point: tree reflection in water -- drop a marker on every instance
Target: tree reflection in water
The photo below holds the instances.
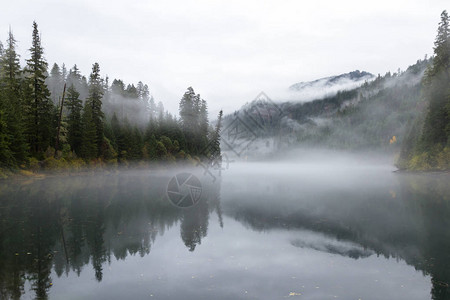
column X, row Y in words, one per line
column 62, row 225
column 70, row 222
column 410, row 222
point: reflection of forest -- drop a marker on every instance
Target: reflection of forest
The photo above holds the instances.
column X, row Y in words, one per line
column 67, row 223
column 410, row 222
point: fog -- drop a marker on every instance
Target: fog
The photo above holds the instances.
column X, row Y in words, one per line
column 293, row 192
column 321, row 88
column 300, row 220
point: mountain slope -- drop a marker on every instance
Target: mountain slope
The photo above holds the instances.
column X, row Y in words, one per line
column 341, row 81
column 372, row 116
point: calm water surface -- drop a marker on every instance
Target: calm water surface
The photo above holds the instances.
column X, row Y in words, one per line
column 261, row 231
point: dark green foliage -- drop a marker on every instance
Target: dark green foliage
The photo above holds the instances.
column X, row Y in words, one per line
column 127, row 140
column 428, row 144
column 301, row 111
column 108, row 152
column 74, row 108
column 134, row 129
column 437, row 91
column 39, row 117
column 95, row 102
column 6, row 156
column 194, row 121
column 89, row 146
column 10, row 88
column 79, row 82
column 214, row 153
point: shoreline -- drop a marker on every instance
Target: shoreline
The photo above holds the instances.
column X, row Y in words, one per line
column 425, row 172
column 26, row 174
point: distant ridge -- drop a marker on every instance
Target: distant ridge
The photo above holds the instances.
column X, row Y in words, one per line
column 328, row 82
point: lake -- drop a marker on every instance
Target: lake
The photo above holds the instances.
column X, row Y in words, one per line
column 288, row 229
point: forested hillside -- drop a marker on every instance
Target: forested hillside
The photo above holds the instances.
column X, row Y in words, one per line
column 63, row 119
column 427, row 146
column 373, row 117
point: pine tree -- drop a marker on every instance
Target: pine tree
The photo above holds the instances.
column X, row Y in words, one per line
column 79, row 82
column 106, row 91
column 151, row 108
column 6, row 156
column 215, row 153
column 441, row 60
column 89, row 145
column 74, row 107
column 131, row 92
column 125, row 139
column 95, row 101
column 10, row 83
column 118, row 137
column 39, row 110
column 64, row 72
column 436, row 130
column 160, row 113
column 55, row 83
column 137, row 144
column 11, row 68
column 189, row 113
column 118, row 87
column 203, row 124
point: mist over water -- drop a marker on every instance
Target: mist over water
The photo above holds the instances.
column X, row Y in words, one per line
column 313, row 224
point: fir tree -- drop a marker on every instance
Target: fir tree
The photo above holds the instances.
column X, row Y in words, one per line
column 118, row 137
column 203, row 125
column 64, row 72
column 79, row 82
column 95, row 102
column 10, row 83
column 151, row 108
column 89, row 145
column 74, row 108
column 6, row 156
column 55, row 83
column 39, row 110
column 215, row 153
column 441, row 60
column 436, row 130
column 189, row 113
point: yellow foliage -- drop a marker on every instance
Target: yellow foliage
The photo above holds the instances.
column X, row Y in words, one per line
column 3, row 174
column 420, row 162
column 33, row 164
column 52, row 163
column 26, row 173
column 439, row 160
column 443, row 159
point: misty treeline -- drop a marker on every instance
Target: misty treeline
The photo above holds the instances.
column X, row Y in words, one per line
column 427, row 145
column 62, row 118
column 371, row 117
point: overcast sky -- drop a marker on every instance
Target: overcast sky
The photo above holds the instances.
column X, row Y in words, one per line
column 228, row 51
